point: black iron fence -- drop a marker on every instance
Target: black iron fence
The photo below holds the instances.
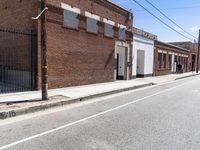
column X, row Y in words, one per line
column 18, row 53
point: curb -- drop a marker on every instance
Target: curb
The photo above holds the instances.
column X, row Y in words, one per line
column 40, row 107
column 187, row 76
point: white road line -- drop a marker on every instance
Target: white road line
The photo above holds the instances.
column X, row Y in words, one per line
column 84, row 119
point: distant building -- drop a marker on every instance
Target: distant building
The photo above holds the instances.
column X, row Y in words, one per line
column 143, row 53
column 168, row 56
column 193, row 47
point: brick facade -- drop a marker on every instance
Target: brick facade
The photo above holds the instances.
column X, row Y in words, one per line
column 18, row 13
column 169, row 49
column 74, row 57
column 193, row 47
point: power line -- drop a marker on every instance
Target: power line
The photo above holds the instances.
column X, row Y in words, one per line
column 169, row 19
column 161, row 20
column 174, row 8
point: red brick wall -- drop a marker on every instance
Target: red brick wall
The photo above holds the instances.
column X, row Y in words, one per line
column 76, row 57
column 99, row 7
column 164, row 71
column 18, row 13
column 193, row 51
column 15, row 49
column 15, row 17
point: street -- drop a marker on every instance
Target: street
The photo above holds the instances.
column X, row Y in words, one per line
column 161, row 117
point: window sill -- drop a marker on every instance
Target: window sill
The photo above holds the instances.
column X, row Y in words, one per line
column 70, row 28
column 109, row 37
column 93, row 33
column 122, row 40
column 162, row 69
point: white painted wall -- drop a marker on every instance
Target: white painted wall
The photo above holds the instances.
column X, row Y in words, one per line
column 147, row 45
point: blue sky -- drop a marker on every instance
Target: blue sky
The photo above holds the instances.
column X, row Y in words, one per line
column 185, row 13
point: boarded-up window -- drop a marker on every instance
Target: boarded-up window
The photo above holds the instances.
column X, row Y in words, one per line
column 71, row 19
column 122, row 34
column 108, row 30
column 159, row 60
column 92, row 25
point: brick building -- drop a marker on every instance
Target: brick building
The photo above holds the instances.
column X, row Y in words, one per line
column 193, row 47
column 88, row 41
column 167, row 56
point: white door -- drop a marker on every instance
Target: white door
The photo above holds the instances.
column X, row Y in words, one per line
column 140, row 62
column 121, row 62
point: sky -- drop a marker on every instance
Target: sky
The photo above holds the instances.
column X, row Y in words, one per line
column 186, row 13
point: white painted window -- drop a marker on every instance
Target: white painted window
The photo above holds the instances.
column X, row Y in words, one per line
column 92, row 22
column 108, row 27
column 108, row 30
column 122, row 34
column 71, row 19
column 92, row 25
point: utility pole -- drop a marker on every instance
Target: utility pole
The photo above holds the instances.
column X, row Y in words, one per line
column 197, row 70
column 44, row 52
column 44, row 76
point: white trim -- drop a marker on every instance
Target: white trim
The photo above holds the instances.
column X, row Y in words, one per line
column 121, row 26
column 93, row 16
column 159, row 51
column 170, row 53
column 164, row 52
column 109, row 22
column 70, row 8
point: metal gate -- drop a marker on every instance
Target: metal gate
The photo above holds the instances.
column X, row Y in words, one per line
column 18, row 53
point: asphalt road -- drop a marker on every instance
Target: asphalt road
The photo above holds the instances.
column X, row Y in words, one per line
column 164, row 117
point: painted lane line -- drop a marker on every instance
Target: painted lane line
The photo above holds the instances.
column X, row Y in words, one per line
column 85, row 119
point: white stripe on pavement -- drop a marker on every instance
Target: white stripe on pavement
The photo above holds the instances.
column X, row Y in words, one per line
column 84, row 119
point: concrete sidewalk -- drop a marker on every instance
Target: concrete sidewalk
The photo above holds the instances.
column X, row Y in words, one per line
column 85, row 90
column 62, row 96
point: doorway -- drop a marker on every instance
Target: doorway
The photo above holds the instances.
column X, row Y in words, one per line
column 140, row 63
column 121, row 63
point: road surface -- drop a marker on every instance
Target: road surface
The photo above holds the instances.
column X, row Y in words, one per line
column 164, row 117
